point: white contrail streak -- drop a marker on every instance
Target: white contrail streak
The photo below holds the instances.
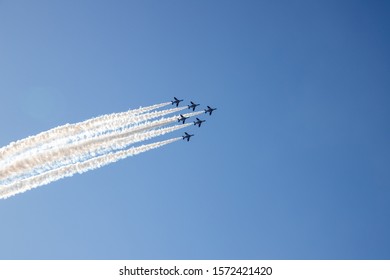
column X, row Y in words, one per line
column 79, row 167
column 65, row 150
column 28, row 156
column 71, row 154
column 80, row 131
column 74, row 129
column 39, row 157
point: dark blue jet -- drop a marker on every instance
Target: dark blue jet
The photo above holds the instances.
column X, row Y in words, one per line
column 193, row 106
column 187, row 136
column 176, row 101
column 209, row 110
column 198, row 122
column 182, row 119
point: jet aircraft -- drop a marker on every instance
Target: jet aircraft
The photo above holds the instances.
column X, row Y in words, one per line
column 187, row 136
column 182, row 118
column 209, row 110
column 176, row 101
column 193, row 106
column 198, row 122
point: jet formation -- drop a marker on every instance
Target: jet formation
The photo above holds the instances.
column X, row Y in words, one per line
column 183, row 118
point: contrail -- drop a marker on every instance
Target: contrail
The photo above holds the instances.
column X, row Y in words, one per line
column 56, row 153
column 40, row 156
column 80, row 167
column 39, row 163
column 60, row 138
column 74, row 129
column 69, row 133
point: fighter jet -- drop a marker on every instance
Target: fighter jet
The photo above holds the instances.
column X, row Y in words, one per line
column 209, row 110
column 187, row 136
column 193, row 106
column 198, row 122
column 182, row 118
column 177, row 101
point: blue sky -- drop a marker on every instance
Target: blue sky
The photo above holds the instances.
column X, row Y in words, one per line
column 293, row 165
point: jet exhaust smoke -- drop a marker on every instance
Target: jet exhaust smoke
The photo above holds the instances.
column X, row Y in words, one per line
column 77, row 148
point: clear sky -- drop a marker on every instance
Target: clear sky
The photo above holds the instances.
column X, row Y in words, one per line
column 294, row 164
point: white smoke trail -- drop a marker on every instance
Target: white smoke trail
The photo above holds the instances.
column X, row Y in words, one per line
column 73, row 129
column 37, row 164
column 193, row 114
column 26, row 162
column 80, row 167
column 23, row 160
column 67, row 146
column 80, row 131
